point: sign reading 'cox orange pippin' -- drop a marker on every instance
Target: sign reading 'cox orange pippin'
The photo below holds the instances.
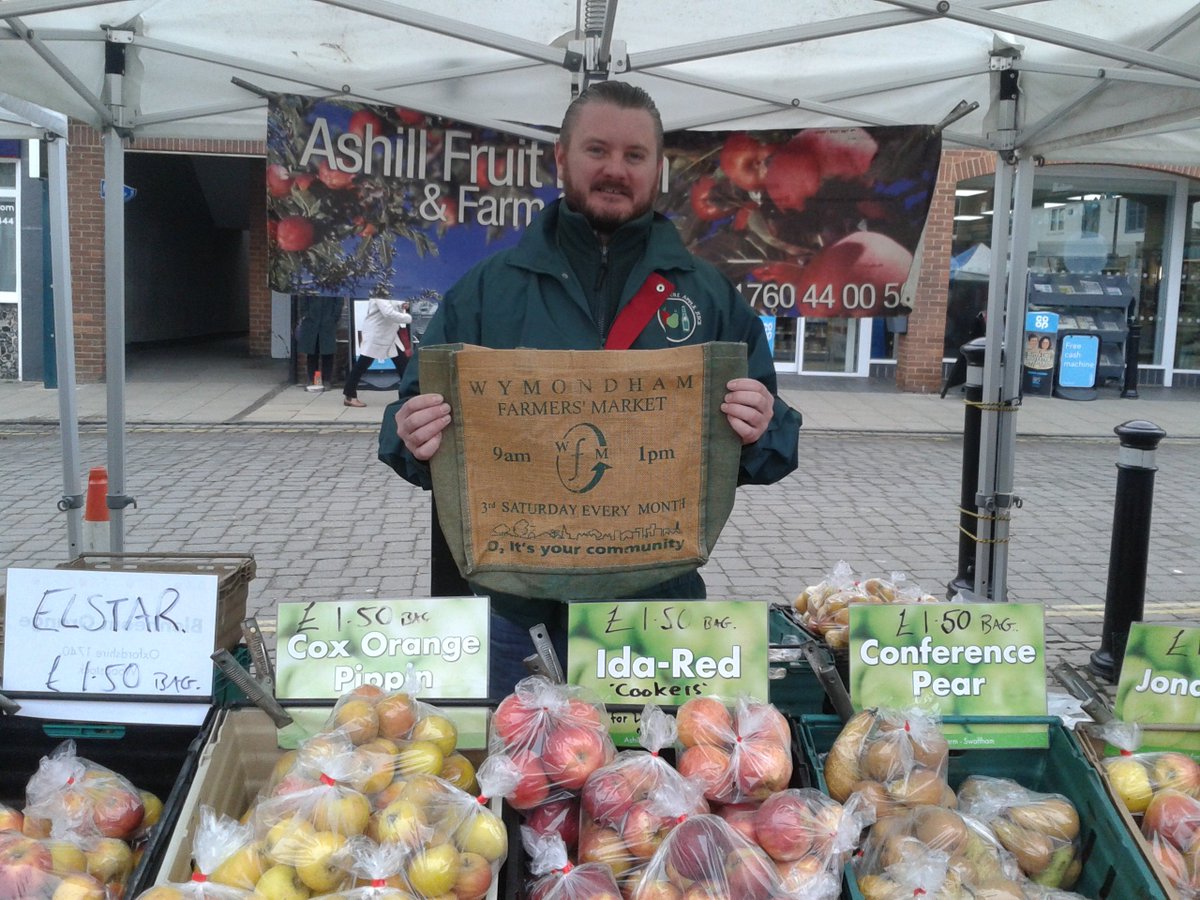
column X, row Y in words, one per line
column 570, row 474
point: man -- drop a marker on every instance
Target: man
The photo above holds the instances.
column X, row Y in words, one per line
column 575, row 268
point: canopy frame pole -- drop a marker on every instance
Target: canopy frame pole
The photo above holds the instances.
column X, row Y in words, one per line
column 64, row 344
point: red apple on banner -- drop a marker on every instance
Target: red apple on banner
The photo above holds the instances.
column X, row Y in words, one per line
column 363, row 119
column 793, row 176
column 279, row 180
column 839, row 152
column 294, row 234
column 744, row 160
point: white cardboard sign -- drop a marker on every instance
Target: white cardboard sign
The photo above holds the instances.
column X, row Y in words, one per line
column 104, row 636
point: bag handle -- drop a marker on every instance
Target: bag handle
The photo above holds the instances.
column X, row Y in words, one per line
column 636, row 315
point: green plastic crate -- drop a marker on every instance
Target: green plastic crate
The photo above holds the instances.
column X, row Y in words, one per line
column 1113, row 866
column 797, row 692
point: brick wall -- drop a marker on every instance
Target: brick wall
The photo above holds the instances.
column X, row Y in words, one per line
column 85, row 169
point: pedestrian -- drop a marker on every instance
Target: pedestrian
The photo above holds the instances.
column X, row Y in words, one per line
column 316, row 338
column 384, row 335
column 576, row 266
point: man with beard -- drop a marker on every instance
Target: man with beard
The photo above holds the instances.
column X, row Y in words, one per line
column 578, row 264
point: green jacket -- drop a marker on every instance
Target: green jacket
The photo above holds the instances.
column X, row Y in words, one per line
column 527, row 296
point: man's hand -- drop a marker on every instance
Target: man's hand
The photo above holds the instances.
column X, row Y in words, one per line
column 748, row 406
column 420, row 423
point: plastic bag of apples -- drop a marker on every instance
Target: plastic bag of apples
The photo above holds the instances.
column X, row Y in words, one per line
column 548, row 738
column 217, row 857
column 629, row 806
column 46, row 868
column 555, row 878
column 1138, row 775
column 739, row 752
column 704, row 857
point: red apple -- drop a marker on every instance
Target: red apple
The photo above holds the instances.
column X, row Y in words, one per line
column 643, row 829
column 1174, row 816
column 704, row 720
column 572, row 753
column 793, row 176
column 533, row 787
column 710, row 767
column 116, row 811
column 515, row 722
column 334, row 179
column 396, row 714
column 559, row 817
column 1171, row 861
column 707, row 890
column 784, row 826
column 583, row 713
column 608, row 793
column 1172, row 769
column 279, row 180
column 749, row 873
column 590, row 882
column 658, row 889
column 20, row 880
column 861, row 258
column 697, row 848
column 763, row 722
column 474, row 876
column 604, row 845
column 744, row 160
column 741, row 818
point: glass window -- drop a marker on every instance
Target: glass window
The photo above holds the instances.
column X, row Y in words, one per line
column 1187, row 333
column 8, row 229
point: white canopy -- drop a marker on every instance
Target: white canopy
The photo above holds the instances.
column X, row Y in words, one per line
column 1111, row 81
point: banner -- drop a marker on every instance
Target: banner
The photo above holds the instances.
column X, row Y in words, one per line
column 369, row 200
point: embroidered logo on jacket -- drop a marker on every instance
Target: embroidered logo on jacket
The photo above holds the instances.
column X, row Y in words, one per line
column 679, row 318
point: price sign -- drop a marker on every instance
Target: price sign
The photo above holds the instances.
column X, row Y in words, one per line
column 434, row 647
column 665, row 652
column 984, row 659
column 1160, row 681
column 74, row 635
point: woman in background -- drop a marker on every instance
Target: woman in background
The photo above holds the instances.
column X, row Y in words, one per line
column 384, row 334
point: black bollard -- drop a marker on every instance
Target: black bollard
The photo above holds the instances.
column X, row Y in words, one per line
column 964, row 582
column 1125, row 598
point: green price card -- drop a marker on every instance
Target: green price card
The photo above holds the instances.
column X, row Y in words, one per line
column 983, row 659
column 1160, row 683
column 327, row 648
column 634, row 652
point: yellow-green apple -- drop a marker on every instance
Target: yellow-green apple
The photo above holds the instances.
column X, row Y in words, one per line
column 110, row 860
column 152, row 807
column 66, row 856
column 78, row 886
column 340, row 810
column 474, row 876
column 374, row 765
column 420, row 758
column 533, row 787
column 559, row 817
column 355, row 717
column 439, row 730
column 281, row 882
column 397, row 713
column 643, row 829
column 459, row 771
column 484, row 834
column 242, row 868
column 316, row 863
column 704, row 720
column 434, row 870
column 400, row 822
column 573, row 752
column 1131, row 781
column 784, row 826
column 162, row 892
column 287, row 837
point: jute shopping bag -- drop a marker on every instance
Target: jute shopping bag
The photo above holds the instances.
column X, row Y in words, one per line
column 570, row 474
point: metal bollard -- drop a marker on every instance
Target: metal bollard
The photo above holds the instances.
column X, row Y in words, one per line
column 964, row 581
column 1125, row 598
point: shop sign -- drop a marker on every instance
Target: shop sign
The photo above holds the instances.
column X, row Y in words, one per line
column 983, row 659
column 1160, row 681
column 75, row 639
column 430, row 647
column 1078, row 361
column 665, row 652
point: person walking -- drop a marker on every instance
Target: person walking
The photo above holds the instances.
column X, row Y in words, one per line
column 316, row 338
column 384, row 334
column 577, row 266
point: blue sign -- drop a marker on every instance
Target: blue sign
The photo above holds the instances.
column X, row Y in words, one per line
column 127, row 192
column 769, row 327
column 1041, row 322
column 1078, row 360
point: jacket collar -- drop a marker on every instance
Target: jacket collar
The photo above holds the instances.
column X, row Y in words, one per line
column 538, row 250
